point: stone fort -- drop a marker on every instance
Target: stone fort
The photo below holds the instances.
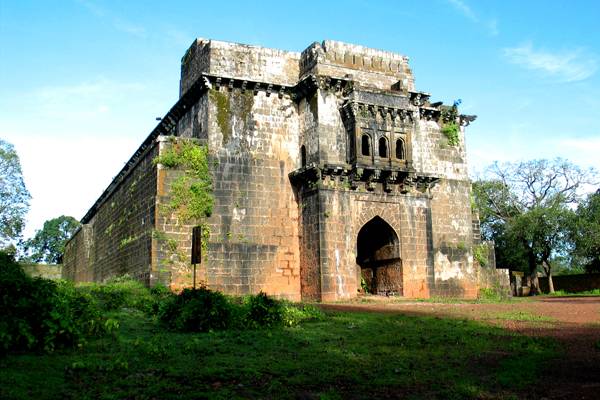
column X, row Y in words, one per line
column 331, row 174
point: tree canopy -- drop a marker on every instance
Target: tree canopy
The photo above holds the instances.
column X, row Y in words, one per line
column 586, row 232
column 48, row 244
column 526, row 208
column 14, row 197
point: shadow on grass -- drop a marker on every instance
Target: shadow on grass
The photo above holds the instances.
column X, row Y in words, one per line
column 346, row 356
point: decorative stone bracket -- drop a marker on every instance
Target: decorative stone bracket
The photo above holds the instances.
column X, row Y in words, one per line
column 352, row 177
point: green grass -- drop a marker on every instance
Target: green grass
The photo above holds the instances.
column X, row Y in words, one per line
column 594, row 292
column 346, row 355
column 455, row 300
column 521, row 316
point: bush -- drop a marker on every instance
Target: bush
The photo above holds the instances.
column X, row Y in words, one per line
column 203, row 310
column 493, row 294
column 196, row 310
column 263, row 311
column 125, row 292
column 38, row 314
column 293, row 314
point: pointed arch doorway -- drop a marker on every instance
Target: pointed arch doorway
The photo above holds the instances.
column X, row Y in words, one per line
column 378, row 255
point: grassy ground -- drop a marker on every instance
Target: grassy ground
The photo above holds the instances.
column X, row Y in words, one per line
column 594, row 292
column 346, row 355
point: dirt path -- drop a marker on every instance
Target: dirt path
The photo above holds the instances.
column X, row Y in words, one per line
column 573, row 321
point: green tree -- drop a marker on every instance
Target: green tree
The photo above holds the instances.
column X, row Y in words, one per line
column 48, row 244
column 585, row 232
column 525, row 208
column 14, row 197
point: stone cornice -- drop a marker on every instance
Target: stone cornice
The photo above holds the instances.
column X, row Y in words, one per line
column 344, row 87
column 355, row 111
column 357, row 177
column 465, row 120
column 310, row 83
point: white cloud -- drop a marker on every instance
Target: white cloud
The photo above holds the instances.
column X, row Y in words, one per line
column 464, row 9
column 129, row 27
column 582, row 151
column 117, row 22
column 83, row 100
column 513, row 146
column 567, row 66
column 178, row 37
column 490, row 25
column 65, row 176
column 72, row 139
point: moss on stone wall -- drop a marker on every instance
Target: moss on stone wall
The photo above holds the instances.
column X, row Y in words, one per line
column 191, row 194
column 222, row 103
column 246, row 104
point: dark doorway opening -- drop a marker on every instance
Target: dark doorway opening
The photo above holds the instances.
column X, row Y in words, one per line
column 378, row 255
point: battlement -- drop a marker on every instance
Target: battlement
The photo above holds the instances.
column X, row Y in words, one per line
column 368, row 67
column 241, row 61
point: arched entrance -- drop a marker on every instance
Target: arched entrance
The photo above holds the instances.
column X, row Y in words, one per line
column 378, row 255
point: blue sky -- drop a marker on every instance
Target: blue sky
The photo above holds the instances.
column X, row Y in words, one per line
column 82, row 81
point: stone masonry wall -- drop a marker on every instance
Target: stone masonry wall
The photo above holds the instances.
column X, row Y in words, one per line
column 455, row 273
column 254, row 229
column 368, row 67
column 118, row 238
column 238, row 60
column 253, row 245
column 78, row 257
column 342, row 212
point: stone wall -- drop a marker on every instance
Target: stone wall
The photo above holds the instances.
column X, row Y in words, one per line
column 117, row 239
column 241, row 61
column 46, row 271
column 497, row 279
column 79, row 256
column 252, row 137
column 572, row 283
column 368, row 67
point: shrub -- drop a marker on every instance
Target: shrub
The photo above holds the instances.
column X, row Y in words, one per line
column 38, row 314
column 203, row 310
column 493, row 294
column 122, row 292
column 451, row 132
column 196, row 310
column 263, row 311
column 293, row 314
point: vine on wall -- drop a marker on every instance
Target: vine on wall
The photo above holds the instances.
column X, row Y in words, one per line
column 191, row 194
column 450, row 128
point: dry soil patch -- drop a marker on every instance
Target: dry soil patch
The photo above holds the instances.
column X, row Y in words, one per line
column 573, row 321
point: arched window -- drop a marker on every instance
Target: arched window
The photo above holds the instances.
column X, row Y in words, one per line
column 366, row 145
column 303, row 155
column 383, row 147
column 400, row 149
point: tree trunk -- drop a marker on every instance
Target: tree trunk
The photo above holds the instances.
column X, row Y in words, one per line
column 534, row 285
column 548, row 270
column 534, row 288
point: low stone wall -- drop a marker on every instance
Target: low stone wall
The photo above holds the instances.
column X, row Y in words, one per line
column 47, row 271
column 494, row 278
column 572, row 283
